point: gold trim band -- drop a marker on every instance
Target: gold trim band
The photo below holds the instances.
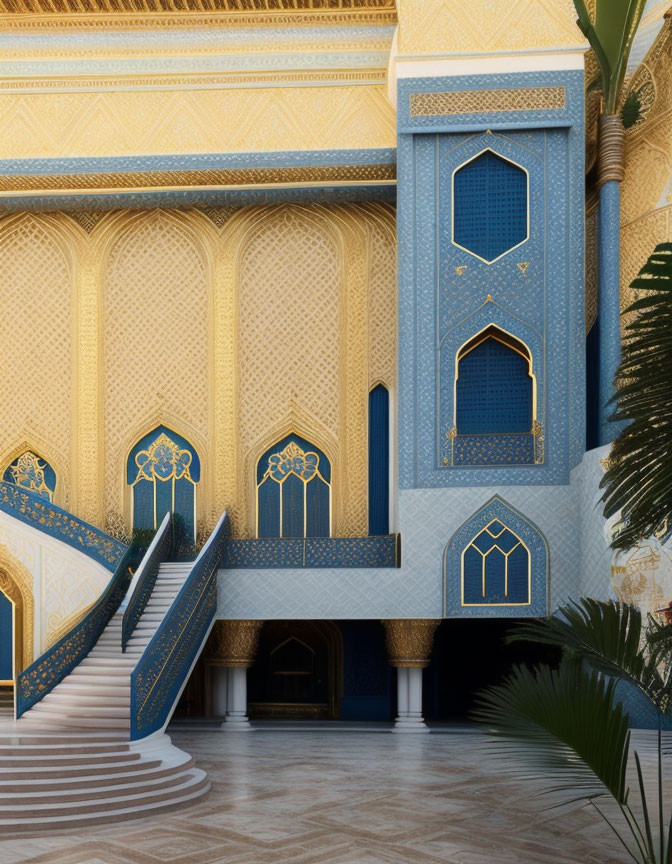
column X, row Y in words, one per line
column 486, row 101
column 320, row 77
column 137, row 180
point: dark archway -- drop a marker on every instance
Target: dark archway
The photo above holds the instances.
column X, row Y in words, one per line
column 298, row 673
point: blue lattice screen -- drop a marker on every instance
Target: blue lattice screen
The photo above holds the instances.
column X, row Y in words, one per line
column 6, row 638
column 293, row 490
column 496, row 568
column 489, row 206
column 494, row 390
column 379, row 461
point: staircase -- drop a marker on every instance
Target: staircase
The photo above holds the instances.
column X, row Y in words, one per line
column 69, row 760
column 6, row 701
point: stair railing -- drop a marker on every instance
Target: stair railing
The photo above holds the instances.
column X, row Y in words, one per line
column 39, row 513
column 164, row 668
column 145, row 578
column 51, row 668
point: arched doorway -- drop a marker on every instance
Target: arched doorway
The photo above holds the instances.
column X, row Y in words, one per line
column 16, row 632
column 298, row 673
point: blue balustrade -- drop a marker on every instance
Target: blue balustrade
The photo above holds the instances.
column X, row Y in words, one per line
column 51, row 668
column 145, row 578
column 163, row 669
column 39, row 513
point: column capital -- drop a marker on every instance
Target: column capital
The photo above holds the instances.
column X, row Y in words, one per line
column 409, row 641
column 233, row 643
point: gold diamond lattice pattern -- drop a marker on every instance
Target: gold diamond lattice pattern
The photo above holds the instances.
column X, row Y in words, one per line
column 35, row 333
column 289, row 322
column 382, row 304
column 156, row 345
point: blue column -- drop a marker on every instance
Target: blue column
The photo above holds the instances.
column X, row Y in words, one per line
column 609, row 304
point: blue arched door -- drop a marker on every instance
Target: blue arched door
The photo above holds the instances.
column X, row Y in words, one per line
column 6, row 638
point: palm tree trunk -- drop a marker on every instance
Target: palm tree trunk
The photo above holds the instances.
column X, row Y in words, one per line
column 611, row 172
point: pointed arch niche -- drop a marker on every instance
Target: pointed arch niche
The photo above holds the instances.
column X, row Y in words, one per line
column 293, row 493
column 495, row 403
column 496, row 564
column 162, row 471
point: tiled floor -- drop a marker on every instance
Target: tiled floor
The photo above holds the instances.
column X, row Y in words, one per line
column 340, row 798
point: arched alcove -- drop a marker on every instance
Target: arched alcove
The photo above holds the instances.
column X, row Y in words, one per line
column 496, row 564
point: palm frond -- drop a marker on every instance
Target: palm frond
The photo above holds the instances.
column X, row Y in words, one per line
column 564, row 725
column 638, row 482
column 611, row 36
column 609, row 635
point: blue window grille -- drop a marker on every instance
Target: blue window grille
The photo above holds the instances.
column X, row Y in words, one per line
column 379, row 461
column 32, row 472
column 496, row 568
column 162, row 470
column 6, row 638
column 494, row 388
column 489, row 206
column 293, row 490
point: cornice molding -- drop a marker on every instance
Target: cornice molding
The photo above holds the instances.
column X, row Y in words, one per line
column 36, row 184
column 309, row 77
column 19, row 15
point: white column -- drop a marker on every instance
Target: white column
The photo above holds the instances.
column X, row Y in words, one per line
column 409, row 695
column 219, row 690
column 236, row 715
column 402, row 695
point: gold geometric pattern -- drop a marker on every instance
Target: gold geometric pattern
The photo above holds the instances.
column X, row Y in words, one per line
column 482, row 26
column 382, row 298
column 646, row 213
column 118, row 123
column 484, row 101
column 290, row 309
column 35, row 333
column 156, row 335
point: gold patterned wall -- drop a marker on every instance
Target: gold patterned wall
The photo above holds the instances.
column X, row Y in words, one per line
column 233, row 326
column 156, row 357
column 36, row 344
column 481, row 26
column 646, row 191
column 134, row 122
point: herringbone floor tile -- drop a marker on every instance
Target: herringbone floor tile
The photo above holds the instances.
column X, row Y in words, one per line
column 284, row 797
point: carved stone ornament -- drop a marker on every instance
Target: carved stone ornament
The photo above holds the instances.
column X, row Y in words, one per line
column 233, row 643
column 409, row 641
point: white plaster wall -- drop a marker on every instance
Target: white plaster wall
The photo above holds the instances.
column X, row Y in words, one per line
column 64, row 581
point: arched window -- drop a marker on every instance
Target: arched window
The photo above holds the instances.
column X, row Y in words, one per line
column 496, row 568
column 162, row 470
column 32, row 472
column 293, row 490
column 494, row 390
column 489, row 206
column 379, row 461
